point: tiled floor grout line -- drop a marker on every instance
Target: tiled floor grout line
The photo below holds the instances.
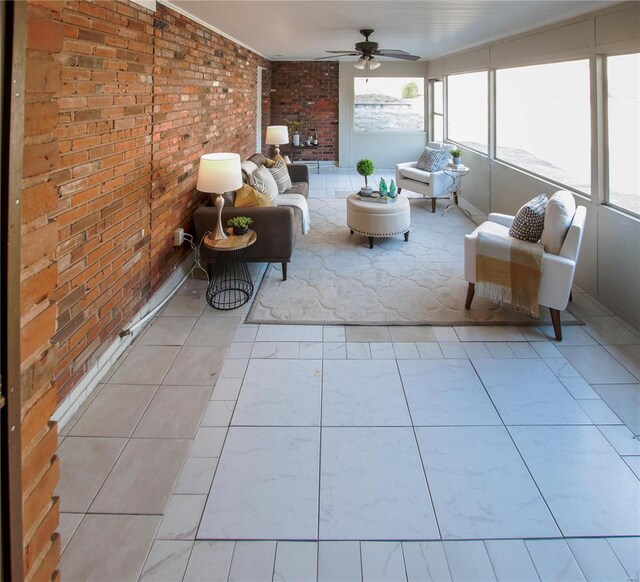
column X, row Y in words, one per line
column 513, row 442
column 526, row 547
column 629, row 574
column 415, row 438
column 320, row 446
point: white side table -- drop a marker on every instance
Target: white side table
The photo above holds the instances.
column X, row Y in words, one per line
column 454, row 189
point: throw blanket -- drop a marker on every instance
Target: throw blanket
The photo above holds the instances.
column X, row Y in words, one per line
column 297, row 201
column 508, row 270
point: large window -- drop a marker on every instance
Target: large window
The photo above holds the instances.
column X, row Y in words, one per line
column 543, row 121
column 623, row 120
column 389, row 104
column 467, row 110
column 437, row 110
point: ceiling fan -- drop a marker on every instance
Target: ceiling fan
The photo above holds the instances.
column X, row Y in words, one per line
column 368, row 50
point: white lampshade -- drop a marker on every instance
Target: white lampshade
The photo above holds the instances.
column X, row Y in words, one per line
column 277, row 135
column 219, row 173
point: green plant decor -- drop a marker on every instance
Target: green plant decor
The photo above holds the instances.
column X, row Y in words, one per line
column 365, row 168
column 455, row 153
column 295, row 125
column 409, row 90
column 239, row 222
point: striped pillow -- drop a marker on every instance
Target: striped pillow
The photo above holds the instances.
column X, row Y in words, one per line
column 264, row 182
column 281, row 176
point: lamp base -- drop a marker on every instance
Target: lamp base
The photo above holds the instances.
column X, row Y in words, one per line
column 219, row 233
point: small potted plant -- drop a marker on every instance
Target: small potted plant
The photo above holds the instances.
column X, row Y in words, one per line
column 294, row 129
column 456, row 154
column 365, row 168
column 240, row 224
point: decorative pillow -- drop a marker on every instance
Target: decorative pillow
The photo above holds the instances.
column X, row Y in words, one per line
column 557, row 220
column 258, row 159
column 279, row 158
column 529, row 222
column 248, row 196
column 281, row 176
column 269, row 162
column 248, row 168
column 264, row 182
column 430, row 159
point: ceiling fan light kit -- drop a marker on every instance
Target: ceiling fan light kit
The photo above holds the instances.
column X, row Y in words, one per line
column 367, row 51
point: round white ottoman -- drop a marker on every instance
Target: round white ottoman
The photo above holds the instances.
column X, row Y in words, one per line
column 375, row 219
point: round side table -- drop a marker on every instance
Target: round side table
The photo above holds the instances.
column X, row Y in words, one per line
column 230, row 285
column 455, row 188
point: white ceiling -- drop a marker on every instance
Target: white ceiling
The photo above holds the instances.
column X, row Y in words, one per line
column 305, row 29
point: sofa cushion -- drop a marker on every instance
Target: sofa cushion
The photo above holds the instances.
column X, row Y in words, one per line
column 557, row 220
column 430, row 160
column 248, row 196
column 529, row 221
column 281, row 176
column 299, row 188
column 416, row 174
column 265, row 183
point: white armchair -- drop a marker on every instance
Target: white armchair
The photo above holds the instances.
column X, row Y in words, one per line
column 430, row 184
column 557, row 270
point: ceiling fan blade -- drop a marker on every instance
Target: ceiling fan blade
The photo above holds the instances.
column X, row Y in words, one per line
column 336, row 56
column 391, row 51
column 351, row 52
column 406, row 57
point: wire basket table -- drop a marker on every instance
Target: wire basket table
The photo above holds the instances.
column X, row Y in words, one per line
column 230, row 285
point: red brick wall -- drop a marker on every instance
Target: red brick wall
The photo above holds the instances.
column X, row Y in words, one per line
column 120, row 104
column 39, row 276
column 102, row 215
column 307, row 90
column 205, row 100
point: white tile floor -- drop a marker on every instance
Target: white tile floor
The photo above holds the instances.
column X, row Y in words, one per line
column 218, row 450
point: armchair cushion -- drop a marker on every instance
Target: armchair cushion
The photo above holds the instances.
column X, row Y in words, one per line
column 415, row 174
column 557, row 219
column 529, row 221
column 430, row 160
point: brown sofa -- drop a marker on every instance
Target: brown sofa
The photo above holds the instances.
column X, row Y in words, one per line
column 276, row 226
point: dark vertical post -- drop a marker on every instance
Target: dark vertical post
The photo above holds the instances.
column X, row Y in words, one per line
column 13, row 57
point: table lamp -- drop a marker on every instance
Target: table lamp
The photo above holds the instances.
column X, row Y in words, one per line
column 219, row 173
column 277, row 135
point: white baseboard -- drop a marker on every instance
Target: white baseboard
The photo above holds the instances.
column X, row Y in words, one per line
column 476, row 214
column 68, row 407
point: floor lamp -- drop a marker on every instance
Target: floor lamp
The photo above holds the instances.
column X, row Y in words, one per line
column 277, row 135
column 219, row 173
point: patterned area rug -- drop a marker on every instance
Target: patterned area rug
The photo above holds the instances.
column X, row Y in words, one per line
column 334, row 278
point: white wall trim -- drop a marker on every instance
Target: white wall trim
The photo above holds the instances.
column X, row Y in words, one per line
column 68, row 407
column 182, row 11
column 148, row 4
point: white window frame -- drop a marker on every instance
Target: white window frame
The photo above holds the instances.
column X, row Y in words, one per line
column 425, row 119
column 490, row 130
column 605, row 133
column 432, row 111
